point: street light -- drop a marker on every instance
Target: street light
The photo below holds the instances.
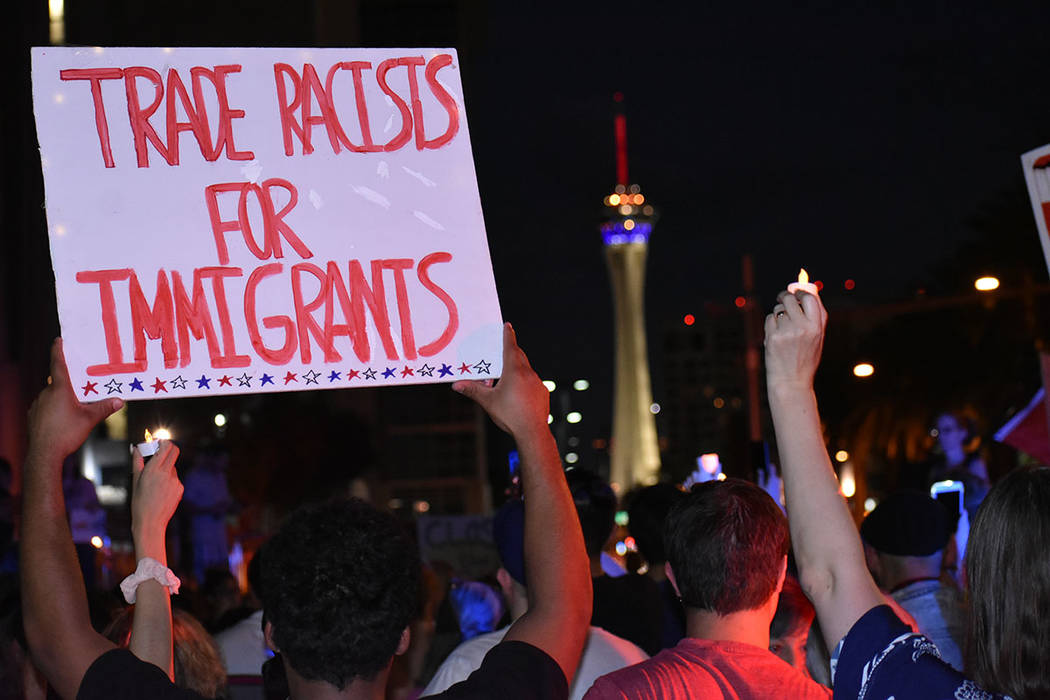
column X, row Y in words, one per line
column 986, row 284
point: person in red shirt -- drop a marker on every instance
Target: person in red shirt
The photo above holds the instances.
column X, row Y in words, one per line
column 727, row 545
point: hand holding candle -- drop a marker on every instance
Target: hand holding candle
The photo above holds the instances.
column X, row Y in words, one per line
column 803, row 284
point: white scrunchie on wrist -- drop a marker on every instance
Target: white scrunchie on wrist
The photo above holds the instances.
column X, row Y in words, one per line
column 149, row 569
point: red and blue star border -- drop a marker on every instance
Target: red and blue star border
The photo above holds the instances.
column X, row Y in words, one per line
column 308, row 377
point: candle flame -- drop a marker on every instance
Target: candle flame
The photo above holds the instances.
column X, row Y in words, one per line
column 803, row 276
column 149, row 436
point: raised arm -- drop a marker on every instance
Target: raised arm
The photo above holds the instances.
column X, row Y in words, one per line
column 54, row 603
column 827, row 547
column 156, row 491
column 558, row 579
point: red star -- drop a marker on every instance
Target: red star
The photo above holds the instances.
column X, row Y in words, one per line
column 158, row 386
column 290, row 377
column 464, row 368
column 351, row 374
column 407, row 372
column 224, row 381
column 89, row 388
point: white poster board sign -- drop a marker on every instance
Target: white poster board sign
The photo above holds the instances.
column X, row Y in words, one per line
column 1037, row 175
column 253, row 220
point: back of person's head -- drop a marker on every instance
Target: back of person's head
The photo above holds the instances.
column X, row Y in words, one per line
column 595, row 507
column 789, row 630
column 340, row 582
column 907, row 524
column 478, row 607
column 646, row 514
column 197, row 659
column 726, row 542
column 1008, row 577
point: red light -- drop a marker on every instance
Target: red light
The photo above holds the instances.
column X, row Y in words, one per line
column 689, row 319
column 850, row 284
column 820, row 285
column 740, row 302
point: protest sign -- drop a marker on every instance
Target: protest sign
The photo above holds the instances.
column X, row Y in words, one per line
column 1037, row 175
column 463, row 541
column 253, row 220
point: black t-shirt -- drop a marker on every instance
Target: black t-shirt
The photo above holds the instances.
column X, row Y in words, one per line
column 511, row 671
column 120, row 675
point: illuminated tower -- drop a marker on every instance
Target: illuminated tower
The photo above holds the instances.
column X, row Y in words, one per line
column 635, row 455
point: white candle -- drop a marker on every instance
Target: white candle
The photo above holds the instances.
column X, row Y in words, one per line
column 150, row 447
column 803, row 284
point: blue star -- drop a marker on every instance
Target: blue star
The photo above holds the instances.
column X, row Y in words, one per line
column 178, row 382
column 426, row 371
column 113, row 386
column 482, row 367
column 333, row 376
column 244, row 380
column 136, row 384
column 265, row 379
column 388, row 373
column 204, row 383
column 445, row 371
column 311, row 377
column 369, row 373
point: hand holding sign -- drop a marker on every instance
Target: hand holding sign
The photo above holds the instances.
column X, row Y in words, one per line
column 519, row 403
column 58, row 422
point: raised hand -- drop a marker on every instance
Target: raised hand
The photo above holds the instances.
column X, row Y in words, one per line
column 155, row 492
column 58, row 422
column 518, row 403
column 794, row 339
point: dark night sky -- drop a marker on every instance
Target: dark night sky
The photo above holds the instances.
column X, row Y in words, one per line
column 854, row 139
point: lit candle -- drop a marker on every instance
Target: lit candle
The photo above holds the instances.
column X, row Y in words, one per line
column 803, row 284
column 150, row 447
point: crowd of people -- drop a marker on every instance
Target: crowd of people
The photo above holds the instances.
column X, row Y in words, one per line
column 742, row 597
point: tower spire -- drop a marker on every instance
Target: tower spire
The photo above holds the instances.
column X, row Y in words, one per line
column 620, row 125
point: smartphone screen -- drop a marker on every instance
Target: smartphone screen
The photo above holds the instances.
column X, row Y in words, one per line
column 951, row 500
column 950, row 494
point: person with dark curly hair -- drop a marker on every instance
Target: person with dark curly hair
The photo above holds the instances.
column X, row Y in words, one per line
column 340, row 581
column 349, row 570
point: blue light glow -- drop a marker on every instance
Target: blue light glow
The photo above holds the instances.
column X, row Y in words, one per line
column 614, row 233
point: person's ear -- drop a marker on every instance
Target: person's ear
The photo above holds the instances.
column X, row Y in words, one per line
column 268, row 637
column 783, row 574
column 670, row 577
column 406, row 639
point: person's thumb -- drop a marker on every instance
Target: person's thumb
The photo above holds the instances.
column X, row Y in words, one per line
column 100, row 410
column 474, row 390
